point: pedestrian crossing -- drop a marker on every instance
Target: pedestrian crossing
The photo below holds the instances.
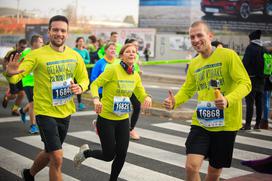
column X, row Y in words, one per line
column 161, row 143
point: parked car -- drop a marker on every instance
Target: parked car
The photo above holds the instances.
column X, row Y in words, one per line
column 240, row 8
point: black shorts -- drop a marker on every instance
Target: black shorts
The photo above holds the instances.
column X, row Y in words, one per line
column 216, row 146
column 29, row 93
column 53, row 131
column 15, row 88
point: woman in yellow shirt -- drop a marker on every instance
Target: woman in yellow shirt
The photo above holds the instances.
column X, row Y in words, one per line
column 119, row 82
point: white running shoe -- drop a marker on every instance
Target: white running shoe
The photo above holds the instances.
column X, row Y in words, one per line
column 94, row 126
column 79, row 157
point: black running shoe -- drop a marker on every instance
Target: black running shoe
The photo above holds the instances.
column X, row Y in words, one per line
column 26, row 176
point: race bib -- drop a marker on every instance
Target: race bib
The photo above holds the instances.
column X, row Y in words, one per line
column 209, row 115
column 121, row 105
column 61, row 92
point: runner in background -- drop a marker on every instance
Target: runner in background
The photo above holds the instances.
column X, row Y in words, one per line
column 80, row 48
column 93, row 49
column 133, row 99
column 16, row 91
column 54, row 67
column 119, row 82
column 101, row 65
column 113, row 38
column 28, row 84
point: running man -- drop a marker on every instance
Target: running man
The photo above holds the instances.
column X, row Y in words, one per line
column 114, row 39
column 16, row 91
column 28, row 84
column 54, row 67
column 218, row 116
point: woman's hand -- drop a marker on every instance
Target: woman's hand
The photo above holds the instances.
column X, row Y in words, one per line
column 97, row 105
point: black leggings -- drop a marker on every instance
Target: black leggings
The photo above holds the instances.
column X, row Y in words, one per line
column 257, row 97
column 78, row 95
column 114, row 138
column 136, row 111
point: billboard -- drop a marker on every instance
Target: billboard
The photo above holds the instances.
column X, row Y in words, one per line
column 144, row 36
column 36, row 29
column 225, row 15
column 166, row 15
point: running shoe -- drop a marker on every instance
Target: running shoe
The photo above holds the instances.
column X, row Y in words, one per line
column 15, row 112
column 26, row 176
column 81, row 106
column 246, row 127
column 94, row 126
column 23, row 115
column 5, row 102
column 257, row 126
column 33, row 129
column 134, row 135
column 79, row 157
column 264, row 124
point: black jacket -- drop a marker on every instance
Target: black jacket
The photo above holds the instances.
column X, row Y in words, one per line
column 254, row 64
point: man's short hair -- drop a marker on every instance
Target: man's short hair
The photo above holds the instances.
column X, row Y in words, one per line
column 113, row 33
column 200, row 22
column 34, row 39
column 22, row 41
column 58, row 18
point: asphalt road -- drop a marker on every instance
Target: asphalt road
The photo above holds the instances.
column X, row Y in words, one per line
column 159, row 155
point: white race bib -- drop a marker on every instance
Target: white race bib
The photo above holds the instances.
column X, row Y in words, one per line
column 61, row 92
column 121, row 105
column 209, row 115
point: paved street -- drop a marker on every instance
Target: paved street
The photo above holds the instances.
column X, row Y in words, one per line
column 159, row 155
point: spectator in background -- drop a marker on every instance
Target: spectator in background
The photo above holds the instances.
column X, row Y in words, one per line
column 80, row 48
column 15, row 90
column 147, row 52
column 254, row 64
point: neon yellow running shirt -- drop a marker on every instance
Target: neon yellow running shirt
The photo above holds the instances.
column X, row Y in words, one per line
column 223, row 65
column 116, row 82
column 53, row 71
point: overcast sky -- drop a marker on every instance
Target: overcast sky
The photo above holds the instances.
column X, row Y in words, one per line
column 98, row 9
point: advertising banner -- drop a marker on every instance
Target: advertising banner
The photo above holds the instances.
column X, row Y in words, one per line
column 224, row 15
column 144, row 36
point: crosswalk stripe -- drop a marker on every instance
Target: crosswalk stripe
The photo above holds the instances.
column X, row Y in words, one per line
column 17, row 119
column 130, row 171
column 259, row 132
column 180, row 141
column 239, row 139
column 159, row 154
column 14, row 163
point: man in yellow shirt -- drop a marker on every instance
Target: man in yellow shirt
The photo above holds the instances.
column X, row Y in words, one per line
column 54, row 67
column 218, row 115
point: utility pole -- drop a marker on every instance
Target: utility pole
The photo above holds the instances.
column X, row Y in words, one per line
column 18, row 4
column 76, row 10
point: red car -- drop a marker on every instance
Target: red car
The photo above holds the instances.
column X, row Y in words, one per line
column 241, row 8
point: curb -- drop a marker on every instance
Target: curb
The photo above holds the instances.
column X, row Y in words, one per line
column 163, row 78
column 174, row 114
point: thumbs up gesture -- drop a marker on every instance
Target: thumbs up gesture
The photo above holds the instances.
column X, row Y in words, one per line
column 75, row 88
column 220, row 101
column 169, row 102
